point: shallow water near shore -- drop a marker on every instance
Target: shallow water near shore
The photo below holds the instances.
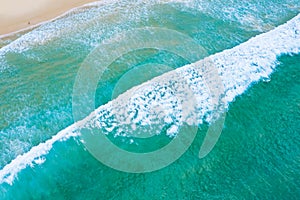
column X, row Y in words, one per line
column 257, row 155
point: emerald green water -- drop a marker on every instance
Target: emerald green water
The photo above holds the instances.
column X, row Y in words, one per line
column 256, row 157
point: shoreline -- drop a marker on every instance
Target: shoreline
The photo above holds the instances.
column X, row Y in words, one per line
column 23, row 18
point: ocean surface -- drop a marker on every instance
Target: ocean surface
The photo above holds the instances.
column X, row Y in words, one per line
column 224, row 76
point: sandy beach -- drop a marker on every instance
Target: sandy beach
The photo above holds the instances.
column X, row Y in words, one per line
column 20, row 14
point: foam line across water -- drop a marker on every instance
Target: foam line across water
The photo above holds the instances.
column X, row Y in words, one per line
column 238, row 68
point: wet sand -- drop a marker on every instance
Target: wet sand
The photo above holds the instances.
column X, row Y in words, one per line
column 16, row 15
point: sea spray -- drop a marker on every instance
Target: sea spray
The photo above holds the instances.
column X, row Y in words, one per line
column 239, row 67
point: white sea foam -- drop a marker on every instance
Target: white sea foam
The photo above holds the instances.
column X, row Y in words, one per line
column 34, row 156
column 238, row 68
column 239, row 12
column 74, row 23
column 260, row 16
column 71, row 21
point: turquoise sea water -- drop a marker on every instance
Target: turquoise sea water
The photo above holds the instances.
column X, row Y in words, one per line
column 256, row 157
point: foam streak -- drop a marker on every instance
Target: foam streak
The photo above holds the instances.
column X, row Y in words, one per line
column 238, row 67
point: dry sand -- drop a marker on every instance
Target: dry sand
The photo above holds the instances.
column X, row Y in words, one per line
column 20, row 14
